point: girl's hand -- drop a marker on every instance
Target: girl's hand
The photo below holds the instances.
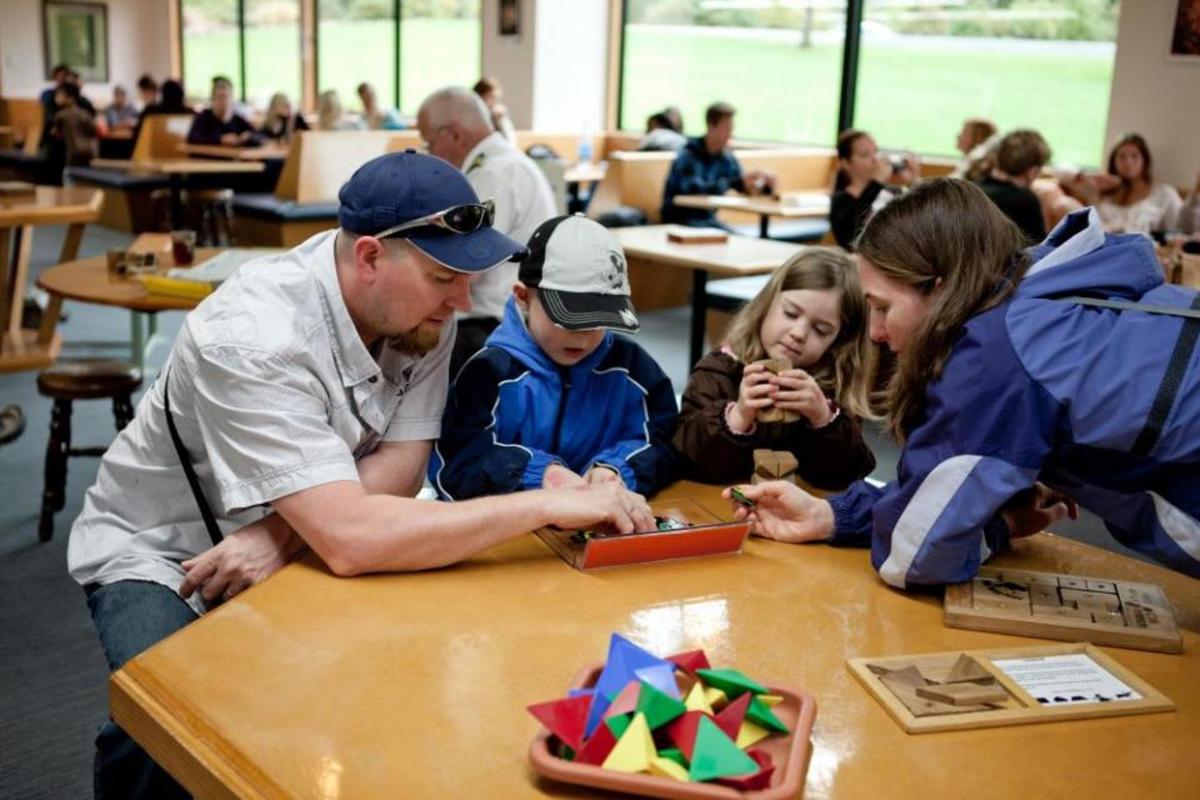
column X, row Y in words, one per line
column 1035, row 509
column 784, row 512
column 753, row 396
column 557, row 476
column 797, row 391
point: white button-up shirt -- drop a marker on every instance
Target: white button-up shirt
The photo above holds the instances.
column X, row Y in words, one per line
column 272, row 392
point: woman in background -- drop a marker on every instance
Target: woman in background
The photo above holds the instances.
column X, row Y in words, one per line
column 280, row 123
column 1127, row 196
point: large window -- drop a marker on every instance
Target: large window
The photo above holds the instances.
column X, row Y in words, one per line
column 439, row 46
column 923, row 67
column 356, row 42
column 272, row 33
column 215, row 39
column 210, row 45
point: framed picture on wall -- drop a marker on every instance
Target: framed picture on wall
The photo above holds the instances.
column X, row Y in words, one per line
column 510, row 17
column 1185, row 38
column 76, row 34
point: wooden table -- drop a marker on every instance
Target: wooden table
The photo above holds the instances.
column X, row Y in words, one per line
column 89, row 281
column 589, row 172
column 177, row 170
column 46, row 205
column 311, row 686
column 790, row 205
column 740, row 255
column 262, row 153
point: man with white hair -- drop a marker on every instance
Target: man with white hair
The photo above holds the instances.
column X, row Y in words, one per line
column 456, row 126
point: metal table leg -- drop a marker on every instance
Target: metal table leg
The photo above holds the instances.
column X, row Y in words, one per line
column 699, row 312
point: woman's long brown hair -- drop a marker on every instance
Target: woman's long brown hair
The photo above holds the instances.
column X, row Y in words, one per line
column 1122, row 193
column 943, row 237
column 844, row 371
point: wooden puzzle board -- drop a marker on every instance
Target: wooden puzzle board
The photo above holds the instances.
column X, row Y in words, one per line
column 1073, row 608
column 1034, row 667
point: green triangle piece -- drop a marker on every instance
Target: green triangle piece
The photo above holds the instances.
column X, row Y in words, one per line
column 618, row 724
column 659, row 707
column 674, row 754
column 761, row 714
column 731, row 682
column 716, row 756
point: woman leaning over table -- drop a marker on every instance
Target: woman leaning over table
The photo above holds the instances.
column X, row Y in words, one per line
column 1011, row 395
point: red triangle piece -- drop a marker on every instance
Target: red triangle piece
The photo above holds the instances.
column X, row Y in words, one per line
column 729, row 720
column 565, row 718
column 682, row 731
column 597, row 748
column 690, row 661
column 625, row 702
column 757, row 781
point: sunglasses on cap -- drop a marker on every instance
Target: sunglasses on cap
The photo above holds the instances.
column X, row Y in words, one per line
column 461, row 220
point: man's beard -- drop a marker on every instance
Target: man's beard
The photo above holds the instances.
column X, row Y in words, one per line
column 417, row 342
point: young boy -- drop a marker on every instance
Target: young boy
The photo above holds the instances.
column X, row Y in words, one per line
column 555, row 398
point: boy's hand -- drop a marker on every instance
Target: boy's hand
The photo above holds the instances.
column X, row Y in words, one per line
column 599, row 474
column 797, row 391
column 754, row 394
column 557, row 476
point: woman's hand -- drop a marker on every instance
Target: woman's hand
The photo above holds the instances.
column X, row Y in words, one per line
column 796, row 391
column 784, row 512
column 754, row 394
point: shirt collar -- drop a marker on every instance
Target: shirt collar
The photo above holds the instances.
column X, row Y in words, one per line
column 485, row 147
column 353, row 359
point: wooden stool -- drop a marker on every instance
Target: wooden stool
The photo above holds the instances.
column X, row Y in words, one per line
column 66, row 382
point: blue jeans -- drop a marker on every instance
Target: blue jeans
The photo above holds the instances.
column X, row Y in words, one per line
column 130, row 616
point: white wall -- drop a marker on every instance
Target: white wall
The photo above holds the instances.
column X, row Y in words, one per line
column 138, row 41
column 1153, row 95
column 510, row 59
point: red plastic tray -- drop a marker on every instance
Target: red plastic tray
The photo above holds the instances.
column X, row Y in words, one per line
column 790, row 754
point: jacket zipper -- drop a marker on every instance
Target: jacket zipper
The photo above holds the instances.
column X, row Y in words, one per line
column 562, row 410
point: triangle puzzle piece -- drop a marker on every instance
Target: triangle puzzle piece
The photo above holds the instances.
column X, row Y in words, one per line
column 662, row 678
column 597, row 748
column 716, row 756
column 618, row 724
column 730, row 718
column 770, row 700
column 634, row 749
column 715, row 697
column 624, row 657
column 759, row 780
column 759, row 713
column 730, row 681
column 625, row 702
column 564, row 718
column 682, row 731
column 659, row 708
column 673, row 753
column 690, row 661
column 696, row 701
column 751, row 734
column 667, row 768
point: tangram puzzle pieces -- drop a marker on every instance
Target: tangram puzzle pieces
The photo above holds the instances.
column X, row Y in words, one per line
column 597, row 748
column 730, row 681
column 661, row 677
column 759, row 780
column 774, row 465
column 658, row 707
column 564, row 718
column 624, row 659
column 760, row 714
column 682, row 731
column 625, row 702
column 696, row 699
column 716, row 756
column 750, row 734
column 730, row 718
column 634, row 750
column 690, row 661
column 772, row 414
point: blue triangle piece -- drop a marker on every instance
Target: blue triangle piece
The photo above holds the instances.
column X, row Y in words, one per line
column 661, row 678
column 624, row 658
column 578, row 692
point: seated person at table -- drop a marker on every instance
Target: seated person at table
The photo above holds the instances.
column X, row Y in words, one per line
column 1127, row 196
column 1017, row 161
column 706, row 166
column 330, row 116
column 120, row 112
column 975, row 139
column 859, row 189
column 491, row 92
column 280, row 122
column 456, row 126
column 172, row 102
column 1012, row 393
column 811, row 314
column 662, row 135
column 375, row 116
column 74, row 126
column 147, row 91
column 219, row 124
column 306, row 393
column 555, row 398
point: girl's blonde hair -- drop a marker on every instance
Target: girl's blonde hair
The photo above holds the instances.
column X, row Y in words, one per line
column 329, row 111
column 844, row 371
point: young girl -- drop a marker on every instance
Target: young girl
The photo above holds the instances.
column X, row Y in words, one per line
column 812, row 314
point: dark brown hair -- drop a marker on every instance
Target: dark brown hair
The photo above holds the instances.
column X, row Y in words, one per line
column 1020, row 151
column 717, row 112
column 1121, row 193
column 845, row 148
column 943, row 235
column 980, row 130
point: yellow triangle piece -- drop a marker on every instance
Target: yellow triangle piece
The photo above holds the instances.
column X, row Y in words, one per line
column 715, row 697
column 771, row 700
column 750, row 733
column 635, row 749
column 696, row 701
column 668, row 769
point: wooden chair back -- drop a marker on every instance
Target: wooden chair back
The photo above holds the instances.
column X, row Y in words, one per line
column 161, row 135
column 319, row 162
column 633, row 179
column 24, row 116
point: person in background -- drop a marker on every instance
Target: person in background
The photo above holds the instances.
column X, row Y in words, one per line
column 147, row 91
column 491, row 92
column 376, row 117
column 975, row 139
column 1018, row 160
column 219, row 123
column 46, row 98
column 171, row 102
column 1189, row 214
column 74, row 126
column 706, row 166
column 456, row 126
column 860, row 189
column 120, row 112
column 330, row 116
column 280, row 122
column 661, row 134
column 1127, row 196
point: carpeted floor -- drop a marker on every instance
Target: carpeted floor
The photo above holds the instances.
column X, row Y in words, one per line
column 52, row 673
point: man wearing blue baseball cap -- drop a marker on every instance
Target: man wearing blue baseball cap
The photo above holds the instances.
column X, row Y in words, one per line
column 298, row 409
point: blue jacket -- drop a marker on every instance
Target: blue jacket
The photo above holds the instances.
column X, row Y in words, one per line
column 697, row 171
column 512, row 412
column 1042, row 388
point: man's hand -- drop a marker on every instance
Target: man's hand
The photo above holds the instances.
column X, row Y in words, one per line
column 243, row 558
column 557, row 476
column 609, row 504
column 796, row 391
column 1035, row 509
column 602, row 474
column 784, row 512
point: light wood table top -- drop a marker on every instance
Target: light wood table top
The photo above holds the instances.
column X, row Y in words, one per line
column 585, row 173
column 792, row 205
column 51, row 205
column 262, row 153
column 312, row 686
column 180, row 166
column 738, row 255
column 89, row 281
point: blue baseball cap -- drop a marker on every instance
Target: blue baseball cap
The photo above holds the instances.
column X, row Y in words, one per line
column 402, row 187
